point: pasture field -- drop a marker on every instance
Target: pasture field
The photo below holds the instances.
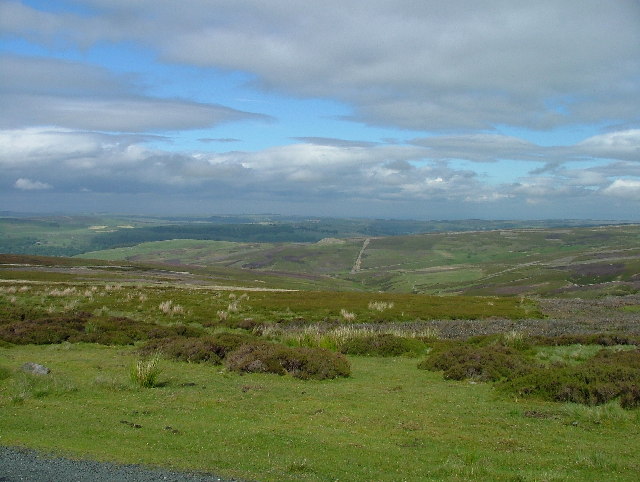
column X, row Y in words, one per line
column 549, row 262
column 387, row 421
column 501, row 355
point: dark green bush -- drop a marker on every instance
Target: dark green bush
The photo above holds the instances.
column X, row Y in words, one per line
column 4, row 373
column 42, row 332
column 211, row 349
column 225, row 343
column 10, row 313
column 301, row 362
column 626, row 358
column 607, row 376
column 382, row 345
column 586, row 384
column 483, row 363
column 317, row 364
column 602, row 339
column 82, row 327
column 246, row 324
column 193, row 350
column 260, row 357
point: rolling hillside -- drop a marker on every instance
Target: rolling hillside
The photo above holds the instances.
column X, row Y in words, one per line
column 560, row 261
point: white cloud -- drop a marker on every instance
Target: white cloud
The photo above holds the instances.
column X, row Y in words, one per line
column 29, row 185
column 348, row 174
column 624, row 145
column 422, row 65
column 624, row 188
column 35, row 91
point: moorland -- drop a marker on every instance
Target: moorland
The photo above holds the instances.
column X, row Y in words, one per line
column 265, row 348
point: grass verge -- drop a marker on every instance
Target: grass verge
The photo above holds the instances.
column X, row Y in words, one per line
column 388, row 421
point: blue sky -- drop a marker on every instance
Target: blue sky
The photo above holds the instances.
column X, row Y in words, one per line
column 380, row 108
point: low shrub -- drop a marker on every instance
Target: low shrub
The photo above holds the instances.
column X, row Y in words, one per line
column 207, row 349
column 607, row 376
column 383, row 344
column 192, row 350
column 482, row 363
column 248, row 324
column 228, row 342
column 317, row 364
column 4, row 373
column 83, row 327
column 300, row 362
column 602, row 339
column 626, row 358
column 43, row 332
column 258, row 357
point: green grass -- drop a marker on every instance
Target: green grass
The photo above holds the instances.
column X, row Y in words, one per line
column 210, row 307
column 479, row 262
column 388, row 421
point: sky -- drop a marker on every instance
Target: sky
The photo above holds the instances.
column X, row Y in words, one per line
column 423, row 109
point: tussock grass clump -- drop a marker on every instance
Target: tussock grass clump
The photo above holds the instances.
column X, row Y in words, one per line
column 168, row 308
column 65, row 292
column 145, row 372
column 381, row 305
column 335, row 337
column 347, row 315
column 24, row 386
column 382, row 344
column 482, row 363
column 301, row 362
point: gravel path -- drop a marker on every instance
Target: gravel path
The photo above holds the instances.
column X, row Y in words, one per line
column 18, row 464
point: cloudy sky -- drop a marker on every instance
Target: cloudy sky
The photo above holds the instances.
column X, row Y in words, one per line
column 424, row 109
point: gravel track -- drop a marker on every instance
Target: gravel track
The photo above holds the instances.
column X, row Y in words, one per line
column 19, row 464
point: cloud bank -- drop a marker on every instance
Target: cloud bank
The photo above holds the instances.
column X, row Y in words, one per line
column 468, row 78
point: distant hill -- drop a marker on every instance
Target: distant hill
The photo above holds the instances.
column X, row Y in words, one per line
column 72, row 235
column 560, row 261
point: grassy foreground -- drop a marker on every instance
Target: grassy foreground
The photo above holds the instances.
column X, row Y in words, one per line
column 388, row 421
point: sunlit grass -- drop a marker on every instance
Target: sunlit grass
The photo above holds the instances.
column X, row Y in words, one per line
column 388, row 421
